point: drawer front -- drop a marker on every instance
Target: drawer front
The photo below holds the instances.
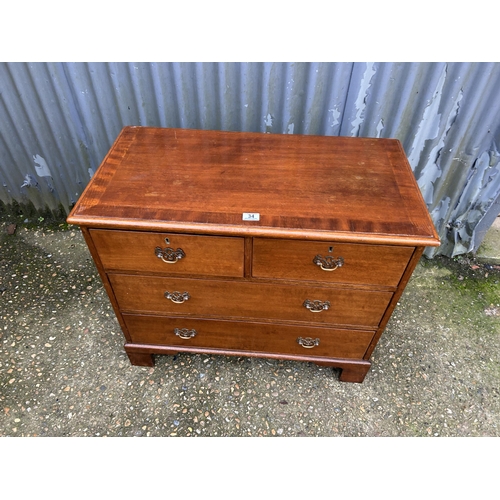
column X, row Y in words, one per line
column 248, row 336
column 136, row 251
column 342, row 262
column 192, row 297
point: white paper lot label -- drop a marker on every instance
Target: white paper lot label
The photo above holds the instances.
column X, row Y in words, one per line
column 251, row 216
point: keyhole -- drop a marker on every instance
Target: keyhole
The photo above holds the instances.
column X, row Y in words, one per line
column 167, row 241
column 330, row 249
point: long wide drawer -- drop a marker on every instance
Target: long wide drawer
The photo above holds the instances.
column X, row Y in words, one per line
column 166, row 253
column 231, row 299
column 329, row 262
column 254, row 337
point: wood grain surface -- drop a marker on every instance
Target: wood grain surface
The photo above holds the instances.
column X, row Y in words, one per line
column 203, row 255
column 256, row 337
column 301, row 186
column 361, row 264
column 250, row 300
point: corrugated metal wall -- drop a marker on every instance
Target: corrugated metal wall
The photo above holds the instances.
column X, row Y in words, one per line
column 58, row 120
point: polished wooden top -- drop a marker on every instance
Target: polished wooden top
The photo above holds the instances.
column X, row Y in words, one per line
column 314, row 187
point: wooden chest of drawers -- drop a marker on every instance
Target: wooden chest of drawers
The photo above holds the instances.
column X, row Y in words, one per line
column 281, row 246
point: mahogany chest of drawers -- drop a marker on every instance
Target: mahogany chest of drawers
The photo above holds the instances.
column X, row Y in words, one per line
column 281, row 246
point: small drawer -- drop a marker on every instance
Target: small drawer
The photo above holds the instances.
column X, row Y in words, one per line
column 256, row 337
column 329, row 262
column 163, row 253
column 235, row 299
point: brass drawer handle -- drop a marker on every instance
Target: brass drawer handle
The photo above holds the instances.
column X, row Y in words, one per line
column 328, row 263
column 184, row 333
column 308, row 342
column 169, row 255
column 316, row 306
column 177, row 297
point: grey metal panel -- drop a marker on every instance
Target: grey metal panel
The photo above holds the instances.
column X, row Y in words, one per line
column 58, row 120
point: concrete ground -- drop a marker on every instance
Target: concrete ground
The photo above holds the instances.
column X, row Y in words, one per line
column 489, row 250
column 63, row 371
